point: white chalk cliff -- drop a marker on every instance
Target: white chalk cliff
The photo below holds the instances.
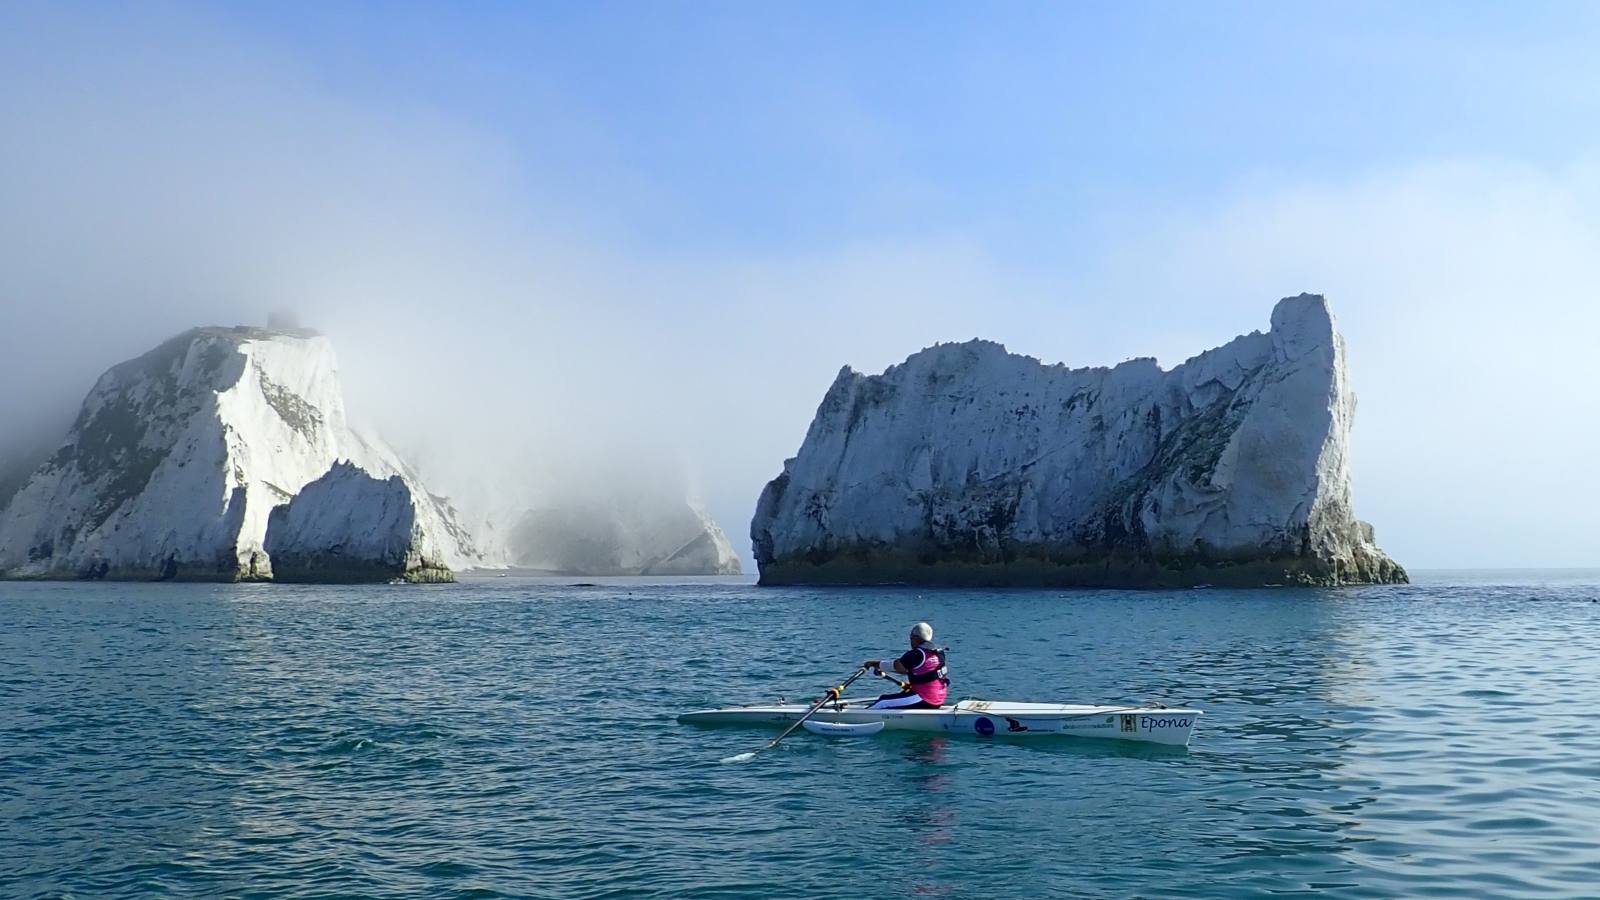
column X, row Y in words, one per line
column 178, row 458
column 970, row 465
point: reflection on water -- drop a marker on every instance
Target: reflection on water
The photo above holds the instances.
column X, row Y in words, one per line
column 919, row 834
column 511, row 738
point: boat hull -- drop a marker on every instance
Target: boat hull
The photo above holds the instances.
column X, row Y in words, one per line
column 984, row 719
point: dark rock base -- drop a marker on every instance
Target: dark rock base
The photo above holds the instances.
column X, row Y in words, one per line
column 344, row 570
column 880, row 566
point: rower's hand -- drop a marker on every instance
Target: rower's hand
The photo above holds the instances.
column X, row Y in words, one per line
column 875, row 664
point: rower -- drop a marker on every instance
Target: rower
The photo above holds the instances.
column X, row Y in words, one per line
column 926, row 671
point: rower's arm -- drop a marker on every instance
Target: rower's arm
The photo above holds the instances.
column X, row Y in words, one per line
column 900, row 664
column 895, row 665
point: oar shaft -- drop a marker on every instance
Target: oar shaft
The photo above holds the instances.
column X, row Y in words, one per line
column 832, row 695
column 902, row 685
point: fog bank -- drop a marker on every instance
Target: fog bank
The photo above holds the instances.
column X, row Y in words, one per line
column 163, row 167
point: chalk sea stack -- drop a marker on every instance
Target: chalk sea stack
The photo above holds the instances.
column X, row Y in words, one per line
column 969, row 465
column 179, row 457
column 349, row 526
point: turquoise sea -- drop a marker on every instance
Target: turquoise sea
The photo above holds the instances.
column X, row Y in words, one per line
column 513, row 737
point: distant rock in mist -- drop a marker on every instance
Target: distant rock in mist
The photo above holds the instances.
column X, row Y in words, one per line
column 179, row 457
column 970, row 465
column 621, row 534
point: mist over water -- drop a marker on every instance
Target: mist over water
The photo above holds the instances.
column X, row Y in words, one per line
column 176, row 172
column 518, row 298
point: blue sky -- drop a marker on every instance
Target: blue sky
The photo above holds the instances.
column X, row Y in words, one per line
column 666, row 226
column 765, row 125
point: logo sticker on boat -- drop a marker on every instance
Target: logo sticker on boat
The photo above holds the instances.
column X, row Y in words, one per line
column 983, row 726
column 1130, row 722
column 1014, row 725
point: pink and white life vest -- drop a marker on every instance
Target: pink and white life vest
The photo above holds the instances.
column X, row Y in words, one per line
column 930, row 679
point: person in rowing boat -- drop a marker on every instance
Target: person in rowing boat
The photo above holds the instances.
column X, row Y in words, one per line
column 927, row 676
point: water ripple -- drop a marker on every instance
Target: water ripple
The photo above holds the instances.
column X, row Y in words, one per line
column 512, row 738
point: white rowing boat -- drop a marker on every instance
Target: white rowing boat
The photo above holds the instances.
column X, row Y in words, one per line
column 984, row 718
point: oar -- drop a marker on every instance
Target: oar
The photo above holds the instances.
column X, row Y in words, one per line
column 831, row 695
column 902, row 685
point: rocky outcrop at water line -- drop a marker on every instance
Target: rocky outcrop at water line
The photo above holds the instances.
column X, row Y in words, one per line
column 348, row 526
column 970, row 465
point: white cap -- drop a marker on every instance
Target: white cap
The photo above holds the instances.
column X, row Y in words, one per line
column 923, row 631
